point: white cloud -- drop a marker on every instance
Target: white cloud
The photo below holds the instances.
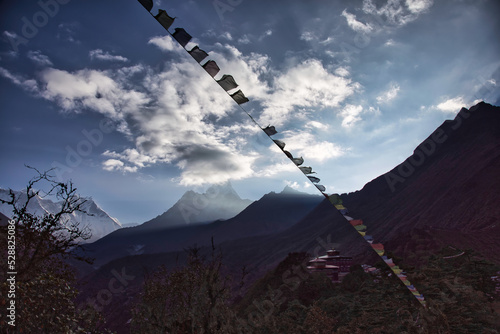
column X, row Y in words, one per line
column 351, row 115
column 342, row 71
column 178, row 115
column 390, row 42
column 389, row 95
column 267, row 33
column 226, row 36
column 245, row 39
column 307, row 36
column 306, row 145
column 39, row 58
column 272, row 170
column 28, row 84
column 165, row 43
column 91, row 89
column 106, row 56
column 306, row 85
column 292, row 184
column 356, row 25
column 452, row 105
column 395, row 12
column 418, row 6
column 317, row 125
column 112, row 164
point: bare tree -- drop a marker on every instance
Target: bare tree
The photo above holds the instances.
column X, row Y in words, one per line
column 51, row 234
column 45, row 292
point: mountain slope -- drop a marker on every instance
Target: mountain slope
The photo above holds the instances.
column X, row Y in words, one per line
column 95, row 219
column 218, row 202
column 449, row 198
column 273, row 213
column 445, row 193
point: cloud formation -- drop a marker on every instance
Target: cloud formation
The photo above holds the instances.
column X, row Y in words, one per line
column 389, row 95
column 452, row 105
column 178, row 115
column 39, row 58
column 356, row 25
column 306, row 85
column 396, row 12
column 106, row 56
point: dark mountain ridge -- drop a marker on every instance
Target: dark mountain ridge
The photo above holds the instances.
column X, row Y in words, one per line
column 273, row 213
column 445, row 193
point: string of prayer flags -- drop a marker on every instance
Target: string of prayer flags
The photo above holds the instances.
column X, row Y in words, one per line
column 314, row 179
column 148, row 4
column 181, row 36
column 239, row 97
column 164, row 19
column 377, row 247
column 307, row 170
column 281, row 145
column 227, row 82
column 198, row 54
column 211, row 67
column 270, row 130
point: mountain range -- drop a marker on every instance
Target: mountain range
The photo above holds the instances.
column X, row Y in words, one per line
column 218, row 202
column 444, row 194
column 95, row 219
column 273, row 213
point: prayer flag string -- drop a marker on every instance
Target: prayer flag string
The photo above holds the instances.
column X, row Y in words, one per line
column 228, row 83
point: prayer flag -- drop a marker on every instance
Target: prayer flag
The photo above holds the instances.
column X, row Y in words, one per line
column 314, row 179
column 306, row 170
column 298, row 161
column 320, row 187
column 270, row 130
column 181, row 36
column 198, row 54
column 227, row 82
column 239, row 97
column 211, row 67
column 148, row 4
column 164, row 19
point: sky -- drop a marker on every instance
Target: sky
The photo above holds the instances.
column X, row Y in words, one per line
column 102, row 93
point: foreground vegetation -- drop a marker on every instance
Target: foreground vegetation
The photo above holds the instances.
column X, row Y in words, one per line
column 195, row 299
column 200, row 297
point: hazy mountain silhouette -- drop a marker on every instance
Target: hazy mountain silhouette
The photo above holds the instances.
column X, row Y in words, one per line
column 273, row 213
column 218, row 202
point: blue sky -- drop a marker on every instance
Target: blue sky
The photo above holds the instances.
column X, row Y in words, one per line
column 101, row 92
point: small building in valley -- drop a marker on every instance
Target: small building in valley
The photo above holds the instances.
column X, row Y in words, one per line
column 332, row 264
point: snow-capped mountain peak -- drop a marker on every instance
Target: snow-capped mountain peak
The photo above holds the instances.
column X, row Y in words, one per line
column 94, row 218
